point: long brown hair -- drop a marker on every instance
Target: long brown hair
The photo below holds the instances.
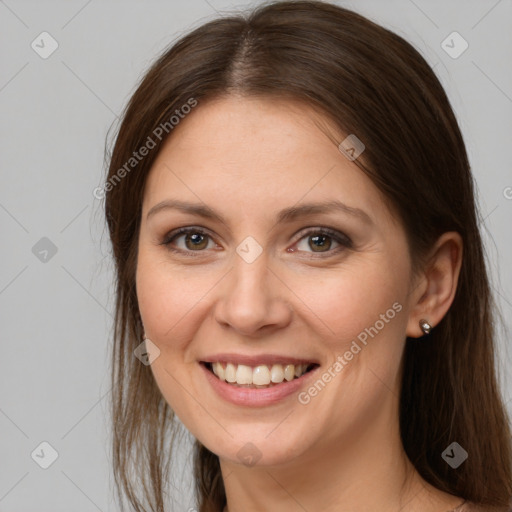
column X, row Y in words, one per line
column 370, row 82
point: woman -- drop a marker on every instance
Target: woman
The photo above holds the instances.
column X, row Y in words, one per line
column 301, row 277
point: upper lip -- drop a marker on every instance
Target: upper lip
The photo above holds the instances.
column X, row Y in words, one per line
column 261, row 359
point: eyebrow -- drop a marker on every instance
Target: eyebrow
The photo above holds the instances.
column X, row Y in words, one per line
column 285, row 215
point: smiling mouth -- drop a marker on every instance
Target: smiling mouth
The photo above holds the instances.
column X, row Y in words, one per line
column 259, row 376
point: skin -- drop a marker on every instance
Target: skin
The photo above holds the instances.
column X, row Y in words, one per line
column 248, row 158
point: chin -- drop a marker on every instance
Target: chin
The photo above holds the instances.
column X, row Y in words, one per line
column 256, row 446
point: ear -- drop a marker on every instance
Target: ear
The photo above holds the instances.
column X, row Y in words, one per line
column 434, row 296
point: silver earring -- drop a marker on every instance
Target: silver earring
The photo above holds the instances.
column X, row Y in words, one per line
column 425, row 326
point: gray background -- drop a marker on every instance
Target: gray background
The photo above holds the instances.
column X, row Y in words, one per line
column 56, row 309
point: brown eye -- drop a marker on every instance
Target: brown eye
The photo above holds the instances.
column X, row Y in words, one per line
column 321, row 240
column 195, row 240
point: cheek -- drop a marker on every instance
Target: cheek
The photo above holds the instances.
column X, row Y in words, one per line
column 363, row 317
column 156, row 295
column 170, row 300
column 346, row 301
column 361, row 313
column 167, row 304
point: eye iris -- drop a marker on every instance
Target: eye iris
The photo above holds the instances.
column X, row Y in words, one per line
column 195, row 240
column 317, row 238
column 195, row 237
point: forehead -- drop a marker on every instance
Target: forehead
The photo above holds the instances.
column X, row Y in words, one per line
column 253, row 155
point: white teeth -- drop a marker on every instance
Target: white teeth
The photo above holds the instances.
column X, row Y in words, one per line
column 261, row 375
column 243, row 374
column 277, row 373
column 230, row 373
column 289, row 371
column 219, row 371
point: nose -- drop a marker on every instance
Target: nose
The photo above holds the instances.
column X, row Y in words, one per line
column 253, row 299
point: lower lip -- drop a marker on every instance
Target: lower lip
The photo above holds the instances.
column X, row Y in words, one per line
column 256, row 397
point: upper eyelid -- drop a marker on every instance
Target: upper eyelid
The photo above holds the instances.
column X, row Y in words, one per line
column 334, row 233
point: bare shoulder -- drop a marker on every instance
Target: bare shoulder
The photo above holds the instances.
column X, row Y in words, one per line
column 474, row 507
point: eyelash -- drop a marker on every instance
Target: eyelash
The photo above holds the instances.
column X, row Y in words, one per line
column 344, row 241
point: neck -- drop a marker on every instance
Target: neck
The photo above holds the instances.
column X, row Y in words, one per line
column 366, row 470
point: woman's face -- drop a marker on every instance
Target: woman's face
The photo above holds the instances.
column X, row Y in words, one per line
column 260, row 284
